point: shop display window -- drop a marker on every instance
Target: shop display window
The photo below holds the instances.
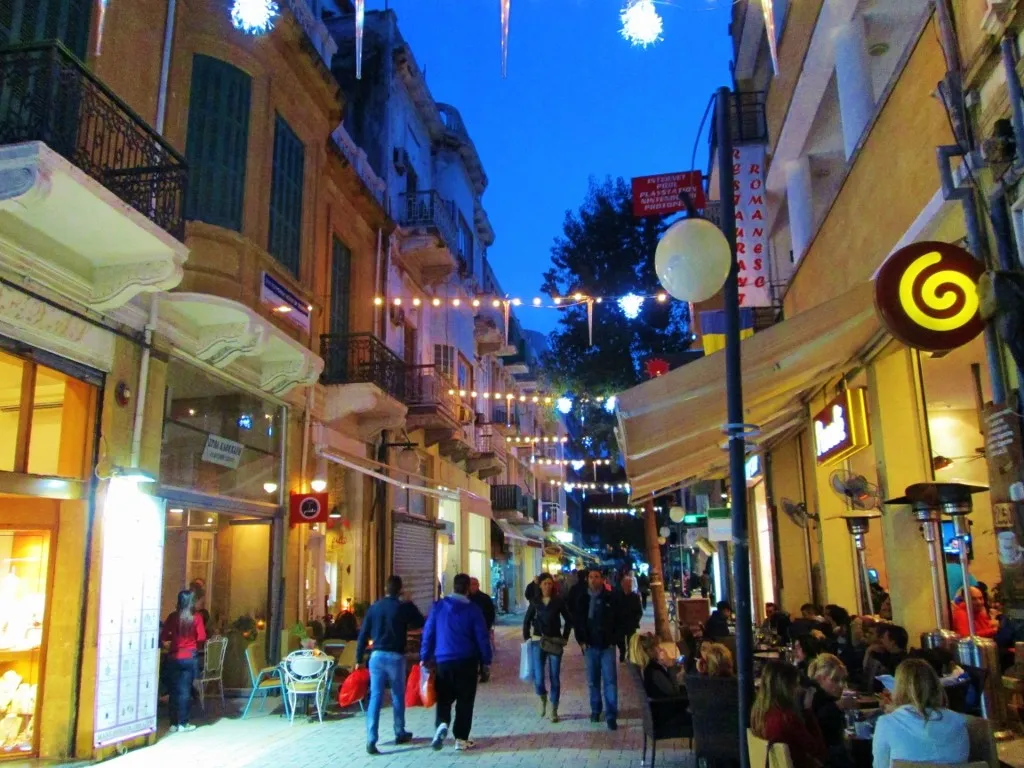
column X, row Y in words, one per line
column 24, row 564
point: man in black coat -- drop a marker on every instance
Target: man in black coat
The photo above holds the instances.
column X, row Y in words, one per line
column 717, row 625
column 485, row 603
column 632, row 612
column 598, row 624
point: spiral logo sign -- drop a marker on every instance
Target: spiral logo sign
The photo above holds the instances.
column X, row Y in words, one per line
column 927, row 296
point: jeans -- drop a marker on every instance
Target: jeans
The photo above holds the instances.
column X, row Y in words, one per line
column 554, row 666
column 386, row 668
column 456, row 684
column 180, row 674
column 601, row 667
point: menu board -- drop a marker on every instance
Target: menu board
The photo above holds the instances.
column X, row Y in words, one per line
column 128, row 646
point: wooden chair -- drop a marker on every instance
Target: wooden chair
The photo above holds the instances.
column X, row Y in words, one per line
column 213, row 670
column 761, row 754
column 656, row 726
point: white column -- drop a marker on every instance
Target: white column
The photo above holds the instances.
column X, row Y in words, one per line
column 801, row 205
column 853, row 76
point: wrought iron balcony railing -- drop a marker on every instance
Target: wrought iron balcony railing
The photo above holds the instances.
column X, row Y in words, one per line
column 362, row 358
column 48, row 95
column 490, row 440
column 428, row 388
column 508, row 498
column 431, row 211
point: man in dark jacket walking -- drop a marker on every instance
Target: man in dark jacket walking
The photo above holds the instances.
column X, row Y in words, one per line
column 632, row 613
column 386, row 624
column 485, row 603
column 455, row 640
column 598, row 625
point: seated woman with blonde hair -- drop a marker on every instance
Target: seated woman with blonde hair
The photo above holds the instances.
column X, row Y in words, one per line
column 918, row 727
column 715, row 660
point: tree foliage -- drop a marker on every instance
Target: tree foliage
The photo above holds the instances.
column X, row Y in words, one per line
column 603, row 251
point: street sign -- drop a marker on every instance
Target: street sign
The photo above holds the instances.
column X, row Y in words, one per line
column 720, row 524
column 660, row 195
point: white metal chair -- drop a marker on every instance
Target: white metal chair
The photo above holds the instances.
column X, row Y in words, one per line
column 306, row 673
column 213, row 670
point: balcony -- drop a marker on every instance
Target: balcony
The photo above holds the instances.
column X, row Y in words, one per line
column 491, row 456
column 359, row 162
column 365, row 383
column 505, row 419
column 91, row 197
column 510, row 502
column 431, row 237
column 456, row 138
column 487, row 335
column 553, row 517
column 436, row 408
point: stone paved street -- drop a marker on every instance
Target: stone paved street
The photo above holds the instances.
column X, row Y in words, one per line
column 506, row 728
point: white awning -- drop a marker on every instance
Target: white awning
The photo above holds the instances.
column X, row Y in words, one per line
column 509, row 531
column 358, row 464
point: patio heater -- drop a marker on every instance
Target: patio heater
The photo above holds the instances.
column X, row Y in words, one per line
column 857, row 525
column 927, row 510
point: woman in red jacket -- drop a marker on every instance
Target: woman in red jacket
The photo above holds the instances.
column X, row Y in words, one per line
column 182, row 633
column 782, row 715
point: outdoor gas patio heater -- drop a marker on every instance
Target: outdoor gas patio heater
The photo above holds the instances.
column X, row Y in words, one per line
column 857, row 524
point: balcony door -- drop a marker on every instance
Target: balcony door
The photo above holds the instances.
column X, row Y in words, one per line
column 341, row 357
column 31, row 21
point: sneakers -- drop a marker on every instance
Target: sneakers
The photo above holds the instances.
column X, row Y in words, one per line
column 461, row 745
column 439, row 736
column 371, row 749
column 173, row 729
column 403, row 738
column 542, row 704
column 612, row 724
column 186, row 728
column 595, row 717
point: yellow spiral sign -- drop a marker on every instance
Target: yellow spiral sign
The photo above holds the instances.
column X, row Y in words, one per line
column 927, row 295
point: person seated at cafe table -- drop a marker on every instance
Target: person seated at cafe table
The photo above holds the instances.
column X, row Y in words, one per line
column 885, row 654
column 805, row 649
column 782, row 715
column 717, row 625
column 662, row 680
column 775, row 621
column 715, row 660
column 918, row 727
column 828, row 678
column 983, row 624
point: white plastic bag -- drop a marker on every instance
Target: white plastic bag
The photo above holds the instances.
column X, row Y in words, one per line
column 526, row 661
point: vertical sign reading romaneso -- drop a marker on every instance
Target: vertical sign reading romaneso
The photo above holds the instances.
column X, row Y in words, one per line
column 751, row 233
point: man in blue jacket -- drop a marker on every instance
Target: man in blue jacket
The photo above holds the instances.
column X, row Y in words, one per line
column 455, row 640
column 386, row 624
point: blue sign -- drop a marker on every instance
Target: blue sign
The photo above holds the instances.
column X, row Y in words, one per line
column 283, row 302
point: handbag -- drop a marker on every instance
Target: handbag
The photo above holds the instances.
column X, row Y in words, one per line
column 552, row 645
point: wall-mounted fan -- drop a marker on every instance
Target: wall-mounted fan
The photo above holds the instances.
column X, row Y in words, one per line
column 796, row 511
column 855, row 490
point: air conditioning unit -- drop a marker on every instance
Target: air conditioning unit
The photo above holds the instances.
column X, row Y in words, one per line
column 401, row 160
column 397, row 315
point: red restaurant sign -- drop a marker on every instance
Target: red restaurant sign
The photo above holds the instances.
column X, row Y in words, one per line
column 751, row 232
column 659, row 195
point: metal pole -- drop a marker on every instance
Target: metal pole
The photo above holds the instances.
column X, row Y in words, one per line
column 735, row 430
column 965, row 570
column 866, row 580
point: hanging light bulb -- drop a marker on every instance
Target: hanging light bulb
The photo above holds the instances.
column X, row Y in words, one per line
column 641, row 24
column 319, row 481
column 631, row 304
column 254, row 17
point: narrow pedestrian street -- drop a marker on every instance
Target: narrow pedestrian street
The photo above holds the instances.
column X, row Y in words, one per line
column 506, row 728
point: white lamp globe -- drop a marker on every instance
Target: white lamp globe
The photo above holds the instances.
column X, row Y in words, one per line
column 692, row 260
column 662, row 540
column 676, row 514
column 663, row 531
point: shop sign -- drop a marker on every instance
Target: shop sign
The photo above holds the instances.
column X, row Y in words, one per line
column 660, row 195
column 841, row 427
column 220, row 450
column 693, row 534
column 1003, row 455
column 284, row 303
column 308, row 508
column 927, row 296
column 752, row 469
column 720, row 524
column 751, row 233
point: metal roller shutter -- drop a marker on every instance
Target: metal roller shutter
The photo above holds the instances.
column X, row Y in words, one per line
column 414, row 550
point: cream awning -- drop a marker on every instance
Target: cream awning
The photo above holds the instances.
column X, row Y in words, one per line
column 670, row 428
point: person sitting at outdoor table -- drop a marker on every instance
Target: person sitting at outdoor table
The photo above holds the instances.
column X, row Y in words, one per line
column 805, row 649
column 983, row 624
column 717, row 625
column 885, row 654
column 809, row 621
column 918, row 727
column 828, row 678
column 841, row 643
column 775, row 621
column 782, row 715
column 715, row 660
column 662, row 680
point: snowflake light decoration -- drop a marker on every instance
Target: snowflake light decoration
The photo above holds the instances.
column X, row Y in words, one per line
column 564, row 405
column 588, row 441
column 610, row 403
column 254, row 17
column 578, row 464
column 641, row 24
column 631, row 304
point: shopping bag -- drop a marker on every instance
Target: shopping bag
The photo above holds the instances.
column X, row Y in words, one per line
column 428, row 694
column 412, row 688
column 526, row 661
column 355, row 688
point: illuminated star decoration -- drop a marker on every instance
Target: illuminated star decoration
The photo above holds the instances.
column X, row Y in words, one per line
column 610, row 403
column 564, row 405
column 578, row 464
column 505, row 8
column 656, row 367
column 360, row 21
column 254, row 17
column 631, row 304
column 641, row 24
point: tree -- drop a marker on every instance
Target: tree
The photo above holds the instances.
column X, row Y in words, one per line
column 604, row 251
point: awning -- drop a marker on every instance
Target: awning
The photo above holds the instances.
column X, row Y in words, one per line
column 509, row 531
column 670, row 428
column 477, row 505
column 359, row 465
column 572, row 550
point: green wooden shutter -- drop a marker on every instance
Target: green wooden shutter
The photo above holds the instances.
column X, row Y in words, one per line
column 217, row 142
column 31, row 21
column 341, row 272
column 285, row 242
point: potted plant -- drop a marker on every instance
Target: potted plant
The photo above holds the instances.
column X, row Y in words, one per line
column 242, row 633
column 301, row 632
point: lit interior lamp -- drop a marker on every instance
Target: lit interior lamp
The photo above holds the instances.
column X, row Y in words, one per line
column 132, row 475
column 270, row 486
column 335, row 513
column 319, row 481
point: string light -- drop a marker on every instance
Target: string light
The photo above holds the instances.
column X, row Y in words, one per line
column 254, row 17
column 570, row 487
column 572, row 462
column 641, row 23
column 630, row 304
column 532, row 439
column 631, row 511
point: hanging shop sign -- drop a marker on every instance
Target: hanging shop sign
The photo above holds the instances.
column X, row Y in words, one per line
column 219, row 450
column 1003, row 451
column 284, row 303
column 841, row 427
column 662, row 194
column 308, row 508
column 751, row 232
column 927, row 296
column 720, row 524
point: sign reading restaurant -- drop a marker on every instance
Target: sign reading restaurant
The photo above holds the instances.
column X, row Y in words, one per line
column 841, row 427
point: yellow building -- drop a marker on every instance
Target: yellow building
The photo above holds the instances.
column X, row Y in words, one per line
column 846, row 415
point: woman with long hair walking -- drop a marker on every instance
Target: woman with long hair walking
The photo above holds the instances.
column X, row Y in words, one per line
column 182, row 633
column 543, row 621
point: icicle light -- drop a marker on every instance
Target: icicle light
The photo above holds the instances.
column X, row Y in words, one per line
column 99, row 26
column 360, row 21
column 254, row 17
column 768, row 9
column 505, row 8
column 641, row 24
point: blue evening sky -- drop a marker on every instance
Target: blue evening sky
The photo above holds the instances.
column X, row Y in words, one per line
column 579, row 101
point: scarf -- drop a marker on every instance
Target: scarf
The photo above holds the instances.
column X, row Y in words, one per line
column 595, row 604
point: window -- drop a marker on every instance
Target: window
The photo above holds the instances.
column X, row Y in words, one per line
column 444, row 360
column 465, row 374
column 30, row 21
column 286, row 197
column 465, row 244
column 341, row 271
column 217, row 142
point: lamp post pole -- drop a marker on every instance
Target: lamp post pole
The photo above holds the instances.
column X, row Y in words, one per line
column 735, row 428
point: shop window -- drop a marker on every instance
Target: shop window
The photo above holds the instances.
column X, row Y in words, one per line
column 24, row 565
column 218, row 439
column 286, row 197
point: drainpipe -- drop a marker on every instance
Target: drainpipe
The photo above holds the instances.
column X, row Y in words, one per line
column 1015, row 93
column 307, row 425
column 165, row 66
column 140, row 395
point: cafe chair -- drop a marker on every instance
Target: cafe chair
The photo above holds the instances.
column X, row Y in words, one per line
column 762, row 754
column 307, row 673
column 263, row 681
column 983, row 743
column 213, row 670
column 714, row 705
column 912, row 764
